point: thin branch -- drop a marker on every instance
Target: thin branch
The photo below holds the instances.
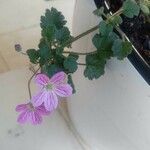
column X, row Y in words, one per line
column 79, row 53
column 81, row 64
column 29, row 82
column 80, row 36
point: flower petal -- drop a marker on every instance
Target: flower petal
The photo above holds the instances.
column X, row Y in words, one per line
column 42, row 111
column 22, row 118
column 38, row 99
column 58, row 78
column 21, row 107
column 41, row 79
column 63, row 90
column 51, row 102
column 35, row 118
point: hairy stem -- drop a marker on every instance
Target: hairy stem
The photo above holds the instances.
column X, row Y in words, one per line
column 29, row 82
column 81, row 64
column 79, row 53
column 90, row 31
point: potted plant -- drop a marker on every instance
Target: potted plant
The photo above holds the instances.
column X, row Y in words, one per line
column 137, row 30
column 106, row 111
column 99, row 109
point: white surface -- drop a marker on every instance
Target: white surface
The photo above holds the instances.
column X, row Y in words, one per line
column 52, row 134
column 19, row 23
column 113, row 112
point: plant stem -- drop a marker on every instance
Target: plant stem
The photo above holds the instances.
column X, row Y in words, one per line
column 119, row 12
column 29, row 82
column 90, row 31
column 80, row 36
column 81, row 64
column 79, row 53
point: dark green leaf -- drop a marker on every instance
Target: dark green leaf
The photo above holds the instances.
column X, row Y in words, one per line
column 70, row 81
column 52, row 18
column 52, row 69
column 62, row 35
column 33, row 55
column 49, row 33
column 130, row 8
column 105, row 28
column 70, row 64
column 94, row 66
column 97, row 41
column 121, row 49
column 45, row 53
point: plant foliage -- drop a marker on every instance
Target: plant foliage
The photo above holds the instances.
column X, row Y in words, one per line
column 52, row 56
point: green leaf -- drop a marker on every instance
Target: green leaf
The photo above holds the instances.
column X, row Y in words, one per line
column 33, row 55
column 70, row 81
column 99, row 12
column 62, row 35
column 94, row 66
column 121, row 49
column 52, row 18
column 97, row 41
column 45, row 53
column 70, row 64
column 49, row 33
column 130, row 8
column 59, row 60
column 52, row 69
column 105, row 28
column 50, row 23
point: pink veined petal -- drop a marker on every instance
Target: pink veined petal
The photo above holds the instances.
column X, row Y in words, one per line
column 63, row 90
column 38, row 99
column 21, row 107
column 35, row 118
column 41, row 79
column 23, row 117
column 58, row 78
column 51, row 102
column 42, row 111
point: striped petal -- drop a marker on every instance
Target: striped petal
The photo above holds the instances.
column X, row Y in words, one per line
column 35, row 118
column 38, row 99
column 23, row 117
column 21, row 107
column 42, row 79
column 58, row 78
column 63, row 90
column 51, row 102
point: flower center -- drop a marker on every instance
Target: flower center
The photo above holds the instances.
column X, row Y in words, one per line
column 31, row 107
column 49, row 86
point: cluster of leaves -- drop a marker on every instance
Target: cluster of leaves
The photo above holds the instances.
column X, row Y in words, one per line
column 49, row 54
column 56, row 37
column 108, row 42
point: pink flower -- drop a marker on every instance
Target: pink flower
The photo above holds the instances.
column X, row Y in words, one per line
column 51, row 89
column 29, row 113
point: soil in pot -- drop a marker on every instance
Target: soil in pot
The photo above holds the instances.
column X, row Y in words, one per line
column 137, row 29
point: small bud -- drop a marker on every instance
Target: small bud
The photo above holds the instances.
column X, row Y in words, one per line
column 18, row 47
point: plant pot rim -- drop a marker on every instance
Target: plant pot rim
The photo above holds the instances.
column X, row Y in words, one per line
column 135, row 58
